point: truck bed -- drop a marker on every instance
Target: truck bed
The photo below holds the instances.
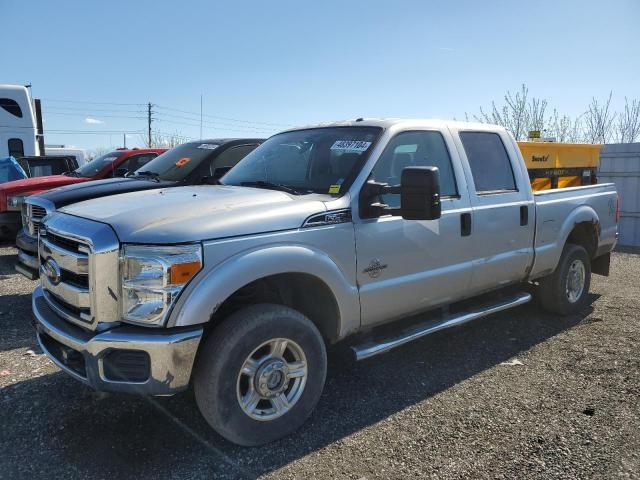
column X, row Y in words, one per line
column 557, row 213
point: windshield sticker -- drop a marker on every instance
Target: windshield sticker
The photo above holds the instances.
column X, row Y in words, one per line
column 334, row 189
column 208, row 146
column 351, row 145
column 182, row 162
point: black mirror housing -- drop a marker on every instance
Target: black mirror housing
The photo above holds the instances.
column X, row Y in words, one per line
column 420, row 193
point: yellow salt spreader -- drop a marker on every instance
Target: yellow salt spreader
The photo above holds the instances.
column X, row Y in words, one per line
column 560, row 165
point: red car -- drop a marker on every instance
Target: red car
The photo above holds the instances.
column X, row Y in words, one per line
column 113, row 164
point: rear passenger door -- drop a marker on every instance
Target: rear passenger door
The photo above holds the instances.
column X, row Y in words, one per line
column 503, row 210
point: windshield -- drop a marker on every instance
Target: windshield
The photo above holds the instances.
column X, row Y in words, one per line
column 318, row 160
column 177, row 163
column 92, row 168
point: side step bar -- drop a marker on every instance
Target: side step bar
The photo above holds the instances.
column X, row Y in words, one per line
column 370, row 349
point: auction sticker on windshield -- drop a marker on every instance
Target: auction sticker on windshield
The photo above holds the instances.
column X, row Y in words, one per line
column 182, row 162
column 208, row 146
column 351, row 145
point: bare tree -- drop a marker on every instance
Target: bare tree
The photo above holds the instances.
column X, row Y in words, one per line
column 565, row 129
column 535, row 117
column 97, row 152
column 164, row 140
column 513, row 115
column 599, row 121
column 628, row 126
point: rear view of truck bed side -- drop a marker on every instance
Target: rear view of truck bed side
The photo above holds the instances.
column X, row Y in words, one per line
column 582, row 215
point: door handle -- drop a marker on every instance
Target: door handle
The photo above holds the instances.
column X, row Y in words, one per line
column 524, row 215
column 465, row 224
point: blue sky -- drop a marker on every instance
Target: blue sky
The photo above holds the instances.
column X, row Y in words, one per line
column 263, row 65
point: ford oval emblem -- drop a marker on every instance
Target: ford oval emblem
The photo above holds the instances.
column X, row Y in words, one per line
column 52, row 271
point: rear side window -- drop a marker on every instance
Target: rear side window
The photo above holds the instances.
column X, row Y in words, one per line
column 138, row 161
column 16, row 147
column 47, row 166
column 11, row 106
column 489, row 162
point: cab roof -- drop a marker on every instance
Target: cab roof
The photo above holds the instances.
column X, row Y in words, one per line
column 408, row 122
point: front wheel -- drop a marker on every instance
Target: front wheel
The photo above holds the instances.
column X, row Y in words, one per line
column 565, row 291
column 260, row 374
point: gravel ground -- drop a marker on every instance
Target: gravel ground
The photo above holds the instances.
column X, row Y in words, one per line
column 521, row 394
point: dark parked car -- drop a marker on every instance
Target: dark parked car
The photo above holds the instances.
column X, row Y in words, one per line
column 47, row 165
column 193, row 163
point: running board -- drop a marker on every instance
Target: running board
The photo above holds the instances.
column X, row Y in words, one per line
column 370, row 349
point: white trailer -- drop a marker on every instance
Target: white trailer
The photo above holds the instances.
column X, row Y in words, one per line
column 18, row 127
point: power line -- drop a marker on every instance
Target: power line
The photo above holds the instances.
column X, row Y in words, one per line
column 92, row 109
column 234, row 128
column 90, row 115
column 215, row 125
column 223, row 118
column 93, row 132
column 93, row 103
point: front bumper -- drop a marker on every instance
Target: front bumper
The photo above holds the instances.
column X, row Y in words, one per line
column 10, row 223
column 27, row 255
column 89, row 356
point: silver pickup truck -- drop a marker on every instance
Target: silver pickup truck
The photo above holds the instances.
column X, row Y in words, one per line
column 319, row 234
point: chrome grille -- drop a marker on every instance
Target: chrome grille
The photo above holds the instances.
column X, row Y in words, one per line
column 66, row 243
column 32, row 216
column 65, row 274
column 79, row 269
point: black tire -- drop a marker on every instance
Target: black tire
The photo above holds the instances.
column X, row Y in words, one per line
column 552, row 291
column 223, row 355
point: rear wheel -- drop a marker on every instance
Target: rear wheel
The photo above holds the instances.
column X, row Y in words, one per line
column 565, row 290
column 260, row 374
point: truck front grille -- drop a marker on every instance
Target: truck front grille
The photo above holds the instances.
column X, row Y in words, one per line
column 65, row 276
column 33, row 217
column 79, row 270
column 66, row 243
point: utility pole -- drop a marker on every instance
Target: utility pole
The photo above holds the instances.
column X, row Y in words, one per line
column 201, row 116
column 149, row 123
column 124, row 140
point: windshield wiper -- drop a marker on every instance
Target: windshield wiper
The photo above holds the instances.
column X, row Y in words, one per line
column 273, row 186
column 72, row 173
column 149, row 174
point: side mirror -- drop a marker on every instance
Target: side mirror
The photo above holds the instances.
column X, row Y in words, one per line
column 420, row 193
column 120, row 172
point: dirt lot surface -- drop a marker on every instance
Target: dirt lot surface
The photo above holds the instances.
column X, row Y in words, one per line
column 522, row 394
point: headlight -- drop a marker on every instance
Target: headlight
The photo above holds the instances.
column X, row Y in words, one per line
column 15, row 202
column 152, row 279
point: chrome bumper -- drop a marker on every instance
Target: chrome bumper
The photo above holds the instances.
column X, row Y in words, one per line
column 28, row 263
column 83, row 354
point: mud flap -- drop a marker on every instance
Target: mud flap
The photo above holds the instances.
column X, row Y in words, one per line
column 600, row 265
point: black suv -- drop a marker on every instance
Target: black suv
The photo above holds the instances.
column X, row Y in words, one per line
column 193, row 163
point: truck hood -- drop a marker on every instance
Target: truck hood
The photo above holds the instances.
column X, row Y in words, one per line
column 37, row 184
column 80, row 192
column 189, row 214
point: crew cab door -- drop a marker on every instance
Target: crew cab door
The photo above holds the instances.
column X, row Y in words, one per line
column 405, row 266
column 502, row 225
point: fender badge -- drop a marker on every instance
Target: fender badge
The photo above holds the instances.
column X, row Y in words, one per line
column 375, row 268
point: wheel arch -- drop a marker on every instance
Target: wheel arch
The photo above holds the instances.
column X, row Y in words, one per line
column 582, row 227
column 298, row 276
